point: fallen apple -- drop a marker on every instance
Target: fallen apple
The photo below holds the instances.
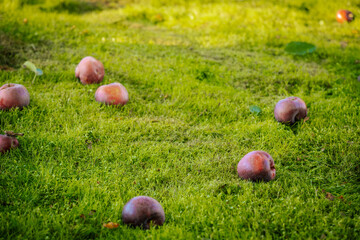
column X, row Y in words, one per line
column 89, row 71
column 344, row 15
column 112, row 94
column 7, row 143
column 13, row 95
column 142, row 211
column 257, row 166
column 290, row 109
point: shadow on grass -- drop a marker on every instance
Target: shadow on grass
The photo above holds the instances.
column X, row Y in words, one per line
column 11, row 52
column 74, row 7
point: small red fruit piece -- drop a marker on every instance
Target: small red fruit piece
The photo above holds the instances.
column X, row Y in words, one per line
column 290, row 109
column 13, row 95
column 7, row 143
column 112, row 94
column 141, row 211
column 257, row 166
column 89, row 71
column 344, row 15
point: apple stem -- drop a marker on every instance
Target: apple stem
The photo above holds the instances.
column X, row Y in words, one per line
column 33, row 79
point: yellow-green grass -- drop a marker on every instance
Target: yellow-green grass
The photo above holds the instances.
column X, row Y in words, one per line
column 192, row 70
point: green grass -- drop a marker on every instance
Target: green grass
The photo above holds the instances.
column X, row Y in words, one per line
column 192, row 70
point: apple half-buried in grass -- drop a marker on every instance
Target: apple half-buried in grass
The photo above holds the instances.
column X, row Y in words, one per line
column 7, row 143
column 13, row 95
column 112, row 94
column 257, row 166
column 290, row 109
column 143, row 211
column 90, row 70
column 344, row 15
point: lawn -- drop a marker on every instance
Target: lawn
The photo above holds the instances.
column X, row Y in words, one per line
column 192, row 70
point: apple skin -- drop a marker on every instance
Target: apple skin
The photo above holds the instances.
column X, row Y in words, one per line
column 257, row 166
column 344, row 15
column 13, row 95
column 90, row 71
column 7, row 143
column 142, row 210
column 290, row 109
column 112, row 94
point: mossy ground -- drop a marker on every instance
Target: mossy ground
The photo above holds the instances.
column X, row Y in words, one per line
column 192, row 70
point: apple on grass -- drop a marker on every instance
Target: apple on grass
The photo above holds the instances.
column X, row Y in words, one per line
column 112, row 94
column 290, row 109
column 90, row 70
column 143, row 211
column 257, row 166
column 13, row 95
column 7, row 143
column 344, row 15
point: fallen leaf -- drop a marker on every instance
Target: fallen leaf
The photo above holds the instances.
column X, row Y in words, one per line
column 25, row 21
column 13, row 134
column 330, row 196
column 6, row 68
column 300, row 48
column 29, row 65
column 111, row 225
column 255, row 109
column 306, row 119
column 82, row 216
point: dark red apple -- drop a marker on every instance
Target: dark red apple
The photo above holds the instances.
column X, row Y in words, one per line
column 344, row 15
column 141, row 211
column 257, row 166
column 7, row 143
column 112, row 94
column 13, row 95
column 290, row 109
column 89, row 71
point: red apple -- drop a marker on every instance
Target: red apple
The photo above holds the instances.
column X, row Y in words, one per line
column 344, row 15
column 89, row 71
column 112, row 94
column 13, row 95
column 142, row 210
column 290, row 109
column 7, row 143
column 257, row 166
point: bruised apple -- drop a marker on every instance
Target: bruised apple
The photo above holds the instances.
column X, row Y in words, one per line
column 13, row 95
column 344, row 15
column 112, row 94
column 257, row 166
column 290, row 109
column 89, row 71
column 7, row 143
column 141, row 211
